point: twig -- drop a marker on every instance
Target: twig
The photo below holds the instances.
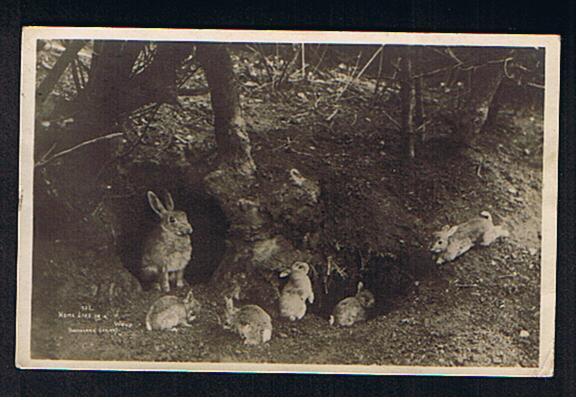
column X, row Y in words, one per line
column 44, row 160
column 332, row 115
column 285, row 70
column 351, row 77
column 535, row 85
column 369, row 62
column 333, row 266
column 319, row 62
column 190, row 75
column 451, row 53
column 436, row 71
column 287, row 146
column 506, row 72
column 391, row 119
column 303, row 61
column 379, row 77
column 264, row 61
column 75, row 77
column 362, row 70
column 466, row 285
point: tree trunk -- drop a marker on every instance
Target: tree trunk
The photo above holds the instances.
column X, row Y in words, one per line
column 408, row 99
column 111, row 92
column 486, row 79
column 495, row 105
column 254, row 253
column 47, row 85
column 419, row 111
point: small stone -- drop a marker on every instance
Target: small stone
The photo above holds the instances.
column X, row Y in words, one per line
column 302, row 96
column 524, row 334
column 512, row 190
column 532, row 251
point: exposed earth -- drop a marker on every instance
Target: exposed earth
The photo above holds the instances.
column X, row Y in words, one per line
column 480, row 310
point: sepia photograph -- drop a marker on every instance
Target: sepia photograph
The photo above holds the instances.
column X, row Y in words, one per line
column 277, row 201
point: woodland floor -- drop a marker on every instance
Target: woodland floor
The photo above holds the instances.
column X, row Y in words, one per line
column 481, row 310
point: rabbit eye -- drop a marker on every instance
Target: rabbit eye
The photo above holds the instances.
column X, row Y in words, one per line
column 172, row 220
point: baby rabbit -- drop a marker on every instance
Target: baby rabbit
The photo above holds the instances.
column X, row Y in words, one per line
column 168, row 249
column 251, row 322
column 352, row 309
column 452, row 242
column 297, row 290
column 168, row 312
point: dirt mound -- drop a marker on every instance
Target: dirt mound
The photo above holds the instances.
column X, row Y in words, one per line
column 373, row 221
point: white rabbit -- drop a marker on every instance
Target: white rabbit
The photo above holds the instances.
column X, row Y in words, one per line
column 251, row 322
column 168, row 249
column 352, row 309
column 168, row 312
column 296, row 292
column 452, row 242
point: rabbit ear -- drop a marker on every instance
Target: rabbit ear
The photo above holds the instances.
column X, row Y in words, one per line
column 295, row 173
column 189, row 297
column 155, row 203
column 169, row 201
column 229, row 304
column 360, row 287
column 452, row 230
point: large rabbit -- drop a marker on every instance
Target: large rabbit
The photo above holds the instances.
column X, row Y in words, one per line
column 251, row 322
column 296, row 292
column 452, row 242
column 350, row 310
column 168, row 312
column 168, row 249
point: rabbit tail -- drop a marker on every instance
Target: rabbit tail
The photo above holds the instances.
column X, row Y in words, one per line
column 266, row 335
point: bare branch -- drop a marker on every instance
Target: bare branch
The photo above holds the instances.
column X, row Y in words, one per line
column 391, row 119
column 535, row 85
column 45, row 159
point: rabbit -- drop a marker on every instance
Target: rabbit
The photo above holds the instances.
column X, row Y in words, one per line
column 296, row 292
column 168, row 249
column 452, row 242
column 292, row 306
column 251, row 322
column 350, row 310
column 168, row 312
